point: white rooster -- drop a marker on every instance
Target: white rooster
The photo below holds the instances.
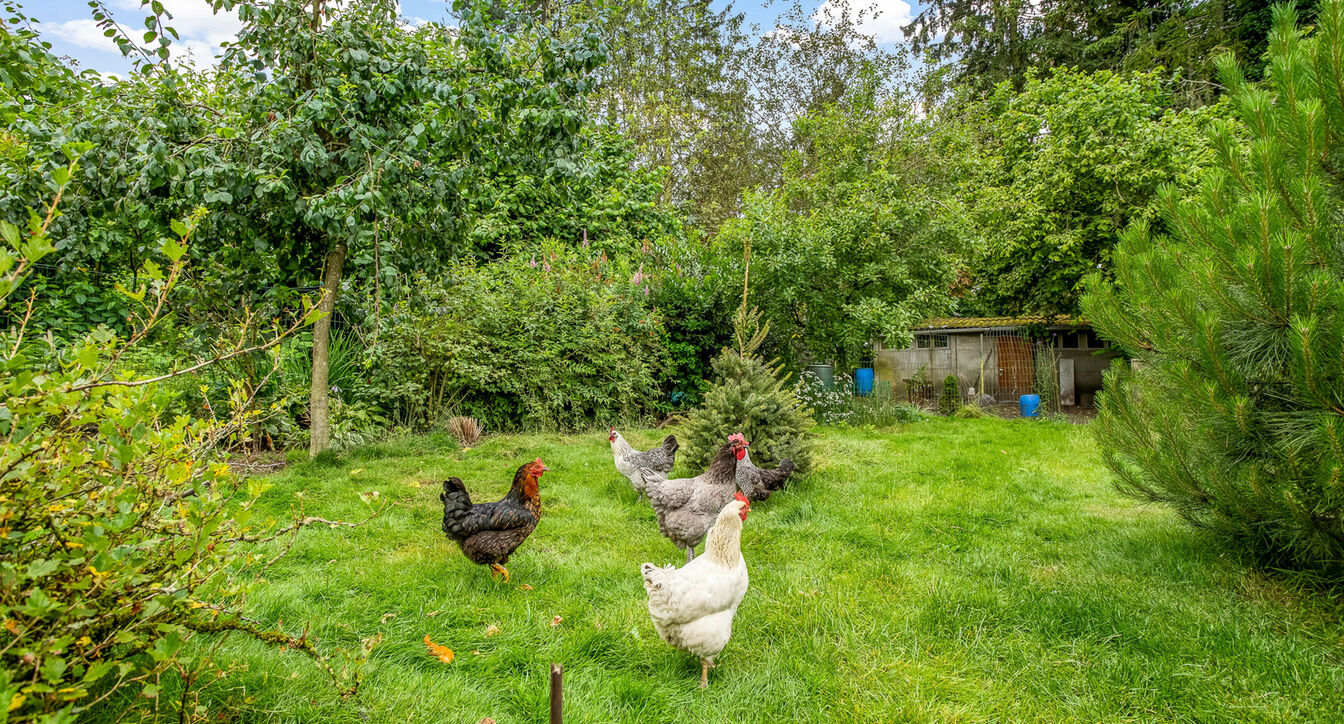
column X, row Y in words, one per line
column 692, row 607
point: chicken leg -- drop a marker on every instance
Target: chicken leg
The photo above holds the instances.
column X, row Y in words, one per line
column 690, row 553
column 704, row 673
column 496, row 570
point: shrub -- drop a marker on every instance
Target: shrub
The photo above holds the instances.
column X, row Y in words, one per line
column 121, row 537
column 829, row 406
column 1233, row 416
column 696, row 287
column 950, row 397
column 553, row 341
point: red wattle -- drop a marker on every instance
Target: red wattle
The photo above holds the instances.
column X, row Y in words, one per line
column 741, row 453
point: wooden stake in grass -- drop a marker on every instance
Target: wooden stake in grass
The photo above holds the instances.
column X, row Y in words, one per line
column 555, row 694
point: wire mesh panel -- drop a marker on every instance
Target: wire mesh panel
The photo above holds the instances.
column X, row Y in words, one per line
column 1001, row 363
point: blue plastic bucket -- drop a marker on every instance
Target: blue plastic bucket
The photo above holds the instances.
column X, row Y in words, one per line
column 1029, row 404
column 863, row 380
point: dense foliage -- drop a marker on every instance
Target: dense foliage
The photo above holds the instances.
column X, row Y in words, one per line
column 1049, row 175
column 1233, row 413
column 121, row 533
column 848, row 249
column 979, row 43
column 556, row 340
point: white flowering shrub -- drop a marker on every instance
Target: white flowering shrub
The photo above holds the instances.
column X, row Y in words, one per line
column 829, row 407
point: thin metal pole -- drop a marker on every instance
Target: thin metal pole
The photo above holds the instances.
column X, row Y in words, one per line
column 555, row 694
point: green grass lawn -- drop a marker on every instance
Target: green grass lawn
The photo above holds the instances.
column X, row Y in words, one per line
column 950, row 570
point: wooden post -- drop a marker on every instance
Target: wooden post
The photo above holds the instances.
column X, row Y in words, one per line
column 555, row 694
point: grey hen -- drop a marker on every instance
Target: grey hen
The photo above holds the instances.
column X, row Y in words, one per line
column 641, row 467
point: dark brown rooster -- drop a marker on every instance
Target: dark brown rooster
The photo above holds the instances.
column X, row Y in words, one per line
column 490, row 532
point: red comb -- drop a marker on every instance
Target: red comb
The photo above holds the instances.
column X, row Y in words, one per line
column 738, row 437
column 742, row 498
column 538, row 460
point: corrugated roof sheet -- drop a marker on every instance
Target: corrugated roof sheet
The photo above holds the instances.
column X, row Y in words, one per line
column 972, row 322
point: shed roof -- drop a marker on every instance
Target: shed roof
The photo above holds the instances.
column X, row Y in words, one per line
column 991, row 322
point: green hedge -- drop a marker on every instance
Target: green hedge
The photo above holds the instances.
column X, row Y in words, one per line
column 556, row 340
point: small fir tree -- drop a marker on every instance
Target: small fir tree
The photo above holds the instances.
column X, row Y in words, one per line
column 749, row 397
column 1234, row 414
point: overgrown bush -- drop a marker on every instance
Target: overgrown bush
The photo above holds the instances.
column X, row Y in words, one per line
column 121, row 535
column 950, row 397
column 1233, row 416
column 696, row 286
column 829, row 405
column 558, row 340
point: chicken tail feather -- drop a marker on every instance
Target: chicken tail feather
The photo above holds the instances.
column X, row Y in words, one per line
column 670, row 444
column 456, row 505
column 653, row 579
column 772, row 480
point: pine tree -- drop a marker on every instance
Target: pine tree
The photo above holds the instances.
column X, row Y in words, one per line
column 749, row 397
column 1234, row 411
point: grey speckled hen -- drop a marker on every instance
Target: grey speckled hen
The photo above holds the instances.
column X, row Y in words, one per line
column 688, row 507
column 641, row 467
column 758, row 483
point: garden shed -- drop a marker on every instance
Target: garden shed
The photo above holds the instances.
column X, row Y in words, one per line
column 1004, row 357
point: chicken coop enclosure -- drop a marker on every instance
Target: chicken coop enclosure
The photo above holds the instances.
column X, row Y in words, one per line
column 1058, row 358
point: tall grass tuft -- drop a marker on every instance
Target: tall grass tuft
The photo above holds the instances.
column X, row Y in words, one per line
column 466, row 430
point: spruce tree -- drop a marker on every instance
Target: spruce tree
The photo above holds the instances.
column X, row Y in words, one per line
column 749, row 397
column 1234, row 411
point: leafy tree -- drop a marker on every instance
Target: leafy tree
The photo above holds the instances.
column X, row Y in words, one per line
column 674, row 86
column 849, row 248
column 981, row 43
column 369, row 125
column 1052, row 173
column 1232, row 414
column 714, row 104
column 605, row 201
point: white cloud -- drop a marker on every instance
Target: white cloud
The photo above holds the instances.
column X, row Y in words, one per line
column 84, row 32
column 200, row 30
column 882, row 19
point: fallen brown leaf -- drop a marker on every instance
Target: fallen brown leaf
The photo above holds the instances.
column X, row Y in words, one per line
column 556, row 621
column 442, row 653
column 491, row 630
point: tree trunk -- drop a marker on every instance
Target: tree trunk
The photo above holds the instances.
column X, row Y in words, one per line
column 319, row 407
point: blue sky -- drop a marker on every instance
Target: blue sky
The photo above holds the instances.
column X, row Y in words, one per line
column 67, row 25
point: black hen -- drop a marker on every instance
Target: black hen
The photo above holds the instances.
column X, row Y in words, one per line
column 489, row 533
